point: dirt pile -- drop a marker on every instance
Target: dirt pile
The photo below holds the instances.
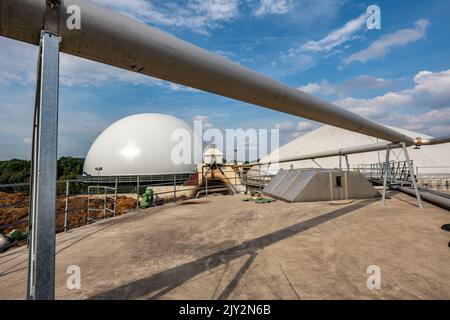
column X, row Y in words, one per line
column 14, row 209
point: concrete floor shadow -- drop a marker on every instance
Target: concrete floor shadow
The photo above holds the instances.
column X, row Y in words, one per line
column 166, row 281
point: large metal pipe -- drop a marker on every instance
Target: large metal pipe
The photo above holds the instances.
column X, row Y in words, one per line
column 336, row 152
column 114, row 39
column 433, row 141
column 442, row 202
column 359, row 149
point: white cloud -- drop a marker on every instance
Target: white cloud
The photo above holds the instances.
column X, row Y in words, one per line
column 77, row 128
column 76, row 71
column 200, row 117
column 285, row 125
column 378, row 106
column 324, row 88
column 273, row 7
column 437, row 122
column 293, row 130
column 18, row 68
column 358, row 84
column 7, row 77
column 216, row 10
column 305, row 56
column 16, row 106
column 365, row 82
column 431, row 91
column 17, row 62
column 205, row 121
column 337, row 37
column 291, row 63
column 383, row 46
column 424, row 107
column 197, row 15
column 312, row 87
column 16, row 119
column 304, row 126
column 434, row 87
column 226, row 54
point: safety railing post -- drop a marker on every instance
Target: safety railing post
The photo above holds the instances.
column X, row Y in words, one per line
column 411, row 173
column 115, row 197
column 206, row 183
column 88, row 204
column 105, row 204
column 174, row 186
column 260, row 178
column 137, row 193
column 386, row 172
column 66, row 208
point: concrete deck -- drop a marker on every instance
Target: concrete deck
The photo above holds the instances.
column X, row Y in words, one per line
column 224, row 248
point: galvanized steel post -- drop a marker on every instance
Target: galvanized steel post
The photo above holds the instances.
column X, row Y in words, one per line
column 137, row 193
column 115, row 197
column 66, row 209
column 105, row 204
column 411, row 174
column 174, row 186
column 41, row 273
column 386, row 174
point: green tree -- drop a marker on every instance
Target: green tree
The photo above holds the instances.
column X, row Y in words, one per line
column 14, row 171
column 70, row 168
column 18, row 171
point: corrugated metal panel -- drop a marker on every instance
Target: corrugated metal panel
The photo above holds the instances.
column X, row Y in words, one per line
column 276, row 180
column 298, row 185
column 318, row 185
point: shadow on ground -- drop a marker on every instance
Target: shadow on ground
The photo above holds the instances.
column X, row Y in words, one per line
column 166, row 281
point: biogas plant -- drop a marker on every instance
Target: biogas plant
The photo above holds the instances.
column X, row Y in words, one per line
column 312, row 219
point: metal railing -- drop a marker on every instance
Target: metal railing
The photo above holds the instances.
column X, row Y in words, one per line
column 106, row 198
column 72, row 203
column 256, row 178
column 81, row 202
column 427, row 177
column 434, row 177
column 150, row 179
column 397, row 172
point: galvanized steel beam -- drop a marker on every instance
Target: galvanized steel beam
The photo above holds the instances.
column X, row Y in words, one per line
column 41, row 273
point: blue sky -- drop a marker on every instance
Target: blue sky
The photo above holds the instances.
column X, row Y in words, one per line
column 398, row 75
